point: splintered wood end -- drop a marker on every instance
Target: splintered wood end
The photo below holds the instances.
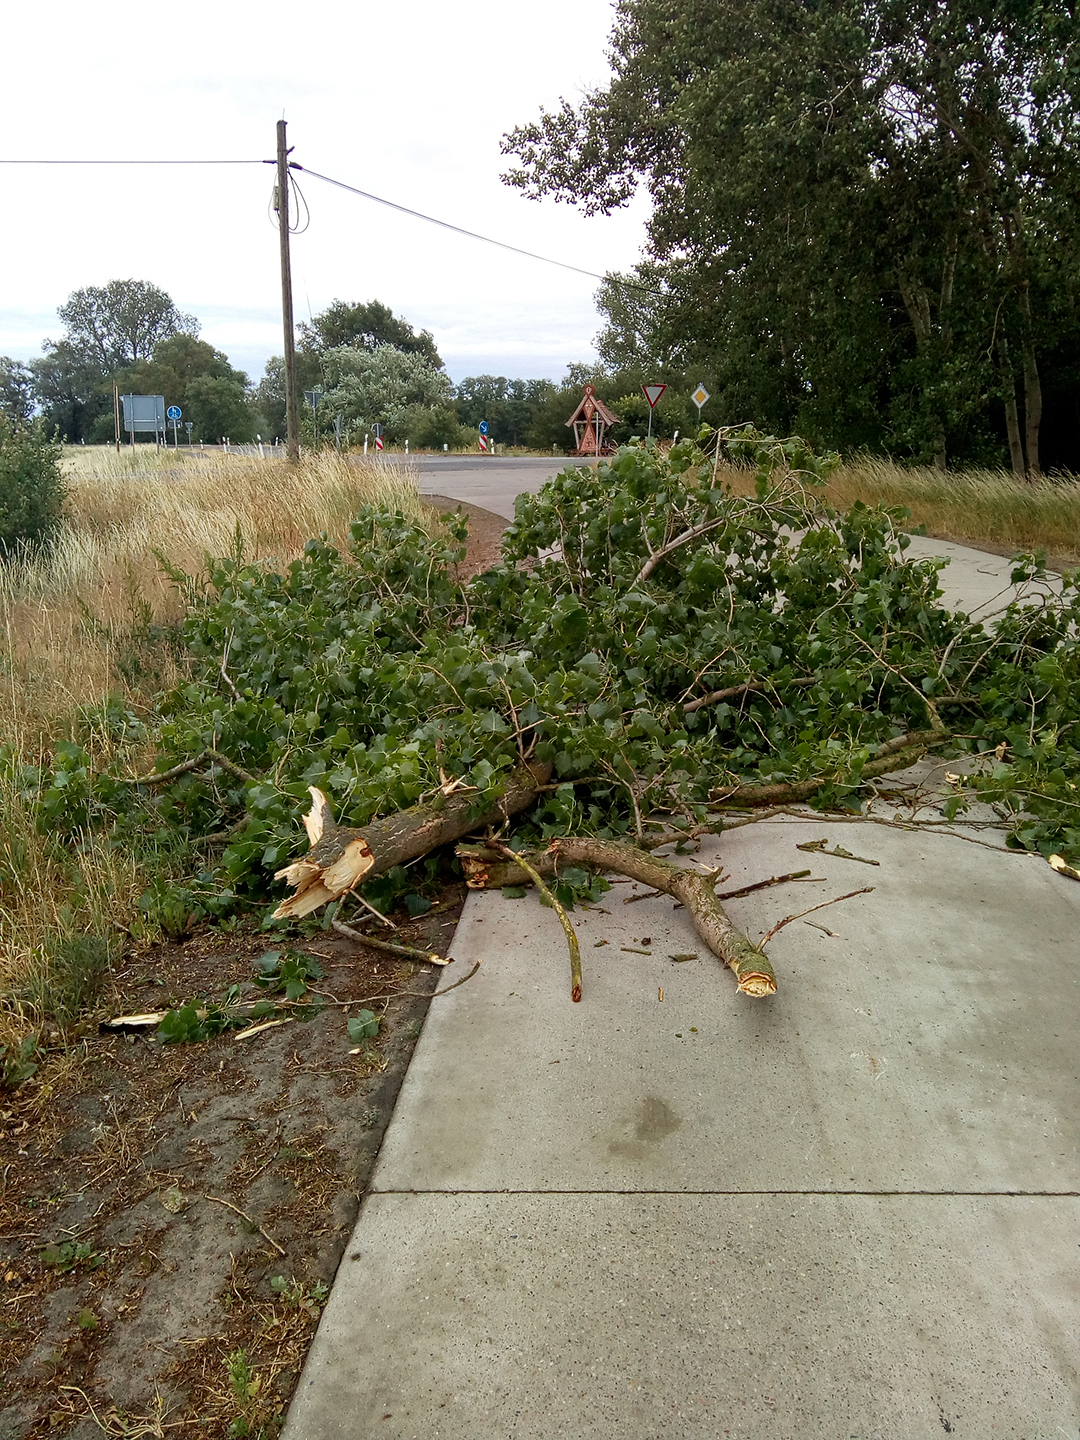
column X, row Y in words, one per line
column 318, row 817
column 349, row 868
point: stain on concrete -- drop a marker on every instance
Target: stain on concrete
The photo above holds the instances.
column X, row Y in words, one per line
column 650, row 1123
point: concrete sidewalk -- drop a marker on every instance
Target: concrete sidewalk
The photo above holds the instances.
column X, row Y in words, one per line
column 847, row 1211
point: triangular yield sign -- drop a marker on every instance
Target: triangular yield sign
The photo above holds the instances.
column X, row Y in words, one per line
column 653, row 393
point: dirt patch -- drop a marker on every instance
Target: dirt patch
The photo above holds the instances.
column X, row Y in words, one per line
column 171, row 1216
column 486, row 530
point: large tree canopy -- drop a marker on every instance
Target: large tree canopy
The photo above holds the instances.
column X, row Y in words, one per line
column 366, row 327
column 119, row 324
column 866, row 214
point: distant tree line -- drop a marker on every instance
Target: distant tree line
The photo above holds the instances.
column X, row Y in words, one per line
column 371, row 367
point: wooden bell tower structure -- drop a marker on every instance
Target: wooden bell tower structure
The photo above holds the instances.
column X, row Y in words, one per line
column 590, row 423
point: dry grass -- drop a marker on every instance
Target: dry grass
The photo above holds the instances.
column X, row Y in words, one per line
column 65, row 615
column 988, row 508
column 74, row 629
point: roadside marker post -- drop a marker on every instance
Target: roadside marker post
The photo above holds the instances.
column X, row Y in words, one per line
column 483, row 427
column 652, row 395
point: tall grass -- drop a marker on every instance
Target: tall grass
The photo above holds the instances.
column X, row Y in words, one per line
column 982, row 507
column 82, row 621
column 991, row 508
column 67, row 615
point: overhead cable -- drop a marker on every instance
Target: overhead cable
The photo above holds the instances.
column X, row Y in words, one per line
column 471, row 234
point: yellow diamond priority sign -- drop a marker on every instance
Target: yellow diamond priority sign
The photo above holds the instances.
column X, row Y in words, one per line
column 699, row 396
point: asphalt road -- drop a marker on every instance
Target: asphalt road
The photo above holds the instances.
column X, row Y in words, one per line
column 490, row 481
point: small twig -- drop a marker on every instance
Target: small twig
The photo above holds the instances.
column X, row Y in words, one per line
column 823, row 928
column 564, row 919
column 646, row 895
column 765, row 939
column 764, row 884
column 385, row 919
column 243, row 1216
column 409, row 951
column 224, row 673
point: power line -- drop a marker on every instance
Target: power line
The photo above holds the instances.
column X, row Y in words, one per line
column 134, row 162
column 470, row 234
column 377, row 200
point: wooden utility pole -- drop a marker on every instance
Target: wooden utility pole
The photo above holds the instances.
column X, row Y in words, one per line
column 292, row 441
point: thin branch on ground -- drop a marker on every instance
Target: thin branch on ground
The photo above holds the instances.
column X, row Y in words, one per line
column 850, row 895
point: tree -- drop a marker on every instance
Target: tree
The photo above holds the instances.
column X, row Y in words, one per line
column 366, row 327
column 116, row 325
column 16, row 389
column 864, row 212
column 509, row 406
column 192, row 374
column 31, row 486
column 384, row 385
column 70, row 392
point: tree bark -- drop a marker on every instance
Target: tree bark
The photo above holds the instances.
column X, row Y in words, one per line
column 1012, row 419
column 1033, row 403
column 342, row 857
column 751, row 966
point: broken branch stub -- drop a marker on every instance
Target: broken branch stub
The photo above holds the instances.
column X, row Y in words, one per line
column 342, row 857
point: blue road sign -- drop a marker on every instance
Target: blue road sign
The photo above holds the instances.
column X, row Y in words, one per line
column 174, row 412
column 483, row 427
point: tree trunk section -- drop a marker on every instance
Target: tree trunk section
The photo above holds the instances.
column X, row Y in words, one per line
column 1012, row 418
column 1033, row 403
column 342, row 857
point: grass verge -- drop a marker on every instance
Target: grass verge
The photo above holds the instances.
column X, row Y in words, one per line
column 95, row 618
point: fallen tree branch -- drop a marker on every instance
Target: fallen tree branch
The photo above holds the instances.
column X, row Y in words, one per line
column 564, row 921
column 162, row 777
column 752, row 687
column 684, row 539
column 409, row 951
column 694, row 889
column 896, row 754
column 341, row 857
column 851, row 893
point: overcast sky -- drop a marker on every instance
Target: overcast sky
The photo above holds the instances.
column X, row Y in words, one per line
column 408, row 101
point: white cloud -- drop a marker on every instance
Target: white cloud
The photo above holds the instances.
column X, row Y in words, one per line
column 409, row 102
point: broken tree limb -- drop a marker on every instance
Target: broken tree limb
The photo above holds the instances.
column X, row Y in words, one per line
column 342, row 857
column 751, row 687
column 895, row 754
column 692, row 888
column 429, row 957
column 696, row 890
column 564, row 921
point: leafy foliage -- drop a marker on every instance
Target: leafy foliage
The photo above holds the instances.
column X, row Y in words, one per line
column 31, row 486
column 655, row 638
column 864, row 214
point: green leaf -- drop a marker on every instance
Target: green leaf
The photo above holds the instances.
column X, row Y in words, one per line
column 363, row 1026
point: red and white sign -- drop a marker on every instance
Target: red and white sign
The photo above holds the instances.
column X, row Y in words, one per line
column 483, row 442
column 378, row 442
column 653, row 393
